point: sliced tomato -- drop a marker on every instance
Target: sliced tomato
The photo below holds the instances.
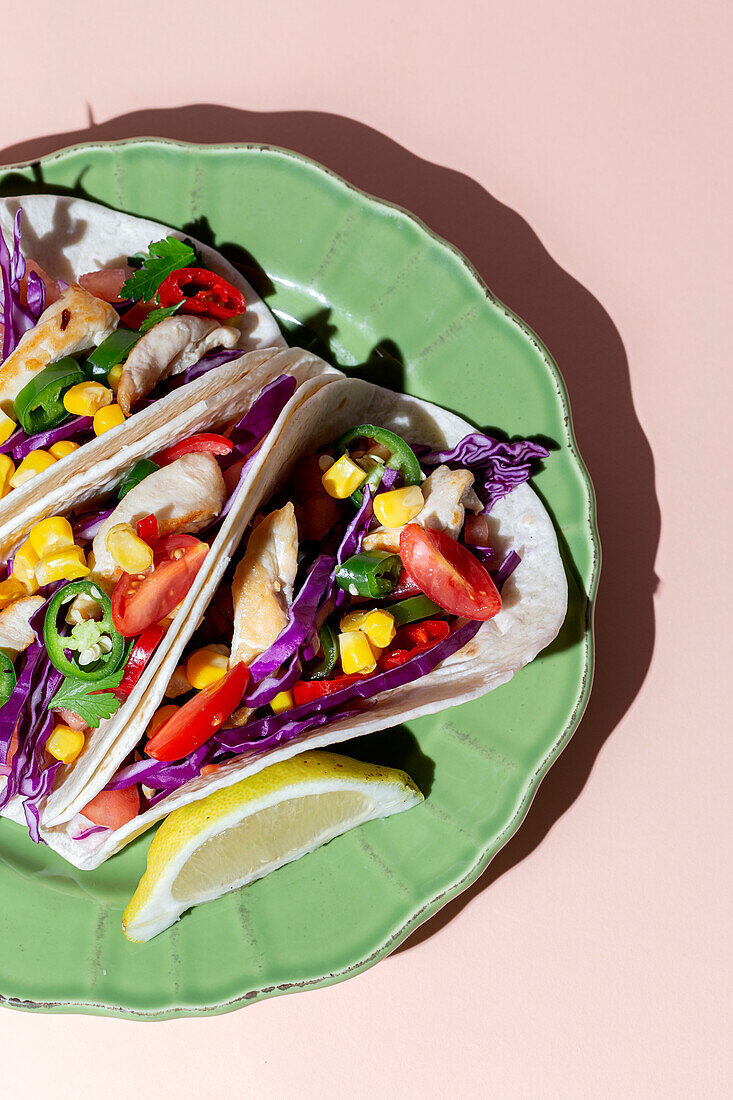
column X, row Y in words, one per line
column 200, row 718
column 214, row 444
column 141, row 599
column 107, row 283
column 448, row 573
column 137, row 313
column 113, row 809
column 405, row 587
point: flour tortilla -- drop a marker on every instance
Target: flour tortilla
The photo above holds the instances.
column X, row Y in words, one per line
column 70, row 237
column 214, row 406
column 534, row 607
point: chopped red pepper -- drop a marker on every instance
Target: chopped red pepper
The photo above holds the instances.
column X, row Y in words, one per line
column 140, row 654
column 202, row 291
column 412, row 639
column 214, row 444
column 147, row 530
column 305, row 691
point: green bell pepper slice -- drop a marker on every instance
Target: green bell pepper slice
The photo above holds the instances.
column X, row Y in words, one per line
column 376, row 574
column 330, row 651
column 84, row 636
column 137, row 473
column 8, row 678
column 413, row 609
column 401, row 456
column 39, row 406
column 115, row 349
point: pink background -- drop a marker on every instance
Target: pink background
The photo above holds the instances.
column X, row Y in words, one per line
column 590, row 960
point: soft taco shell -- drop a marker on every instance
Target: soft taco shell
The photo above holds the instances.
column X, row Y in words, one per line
column 535, row 601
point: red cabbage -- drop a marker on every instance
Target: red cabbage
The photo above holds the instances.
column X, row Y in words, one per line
column 505, row 570
column 15, row 318
column 158, row 774
column 88, row 524
column 497, row 466
column 21, row 444
column 275, row 729
column 36, row 294
column 213, row 359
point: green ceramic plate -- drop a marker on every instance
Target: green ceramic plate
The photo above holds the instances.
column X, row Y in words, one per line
column 377, row 289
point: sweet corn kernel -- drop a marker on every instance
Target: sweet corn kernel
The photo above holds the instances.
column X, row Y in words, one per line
column 399, row 506
column 67, row 564
column 63, row 448
column 206, row 666
column 114, row 377
column 130, row 552
column 7, row 426
column 377, row 625
column 160, row 718
column 65, row 744
column 24, row 566
column 111, row 417
column 282, row 701
column 51, row 534
column 34, row 463
column 86, row 398
column 341, row 479
column 356, row 652
column 10, row 591
column 7, row 469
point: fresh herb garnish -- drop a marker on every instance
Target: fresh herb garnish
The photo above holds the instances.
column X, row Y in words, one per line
column 163, row 258
column 157, row 315
column 91, row 701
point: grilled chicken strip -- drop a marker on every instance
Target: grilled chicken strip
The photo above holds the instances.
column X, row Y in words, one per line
column 262, row 589
column 184, row 497
column 75, row 322
column 447, row 494
column 169, row 348
column 15, row 630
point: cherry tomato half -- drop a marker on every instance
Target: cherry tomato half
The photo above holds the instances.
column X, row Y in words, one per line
column 448, row 573
column 141, row 599
column 200, row 718
column 113, row 809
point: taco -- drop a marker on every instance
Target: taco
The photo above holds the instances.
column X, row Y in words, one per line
column 102, row 571
column 105, row 319
column 386, row 561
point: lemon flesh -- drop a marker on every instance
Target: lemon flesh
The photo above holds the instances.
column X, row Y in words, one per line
column 240, row 833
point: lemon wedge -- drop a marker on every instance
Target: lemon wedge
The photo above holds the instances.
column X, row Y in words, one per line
column 240, row 833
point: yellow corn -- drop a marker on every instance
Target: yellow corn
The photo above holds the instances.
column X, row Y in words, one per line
column 67, row 564
column 63, row 448
column 51, row 534
column 7, row 469
column 356, row 653
column 341, row 479
column 377, row 625
column 114, row 377
column 86, row 398
column 24, row 566
column 110, row 417
column 7, row 426
column 282, row 701
column 34, row 463
column 206, row 666
column 10, row 591
column 130, row 552
column 160, row 718
column 399, row 506
column 65, row 744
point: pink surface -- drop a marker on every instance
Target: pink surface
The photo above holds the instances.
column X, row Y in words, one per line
column 590, row 960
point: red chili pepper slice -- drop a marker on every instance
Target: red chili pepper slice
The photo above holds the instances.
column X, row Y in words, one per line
column 305, row 691
column 140, row 654
column 147, row 530
column 202, row 291
column 412, row 639
column 214, row 444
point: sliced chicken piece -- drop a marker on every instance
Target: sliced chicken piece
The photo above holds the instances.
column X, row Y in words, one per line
column 15, row 630
column 262, row 589
column 447, row 494
column 74, row 322
column 183, row 497
column 178, row 684
column 169, row 348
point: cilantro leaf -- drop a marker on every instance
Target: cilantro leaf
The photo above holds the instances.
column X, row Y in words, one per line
column 162, row 259
column 158, row 315
column 77, row 695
